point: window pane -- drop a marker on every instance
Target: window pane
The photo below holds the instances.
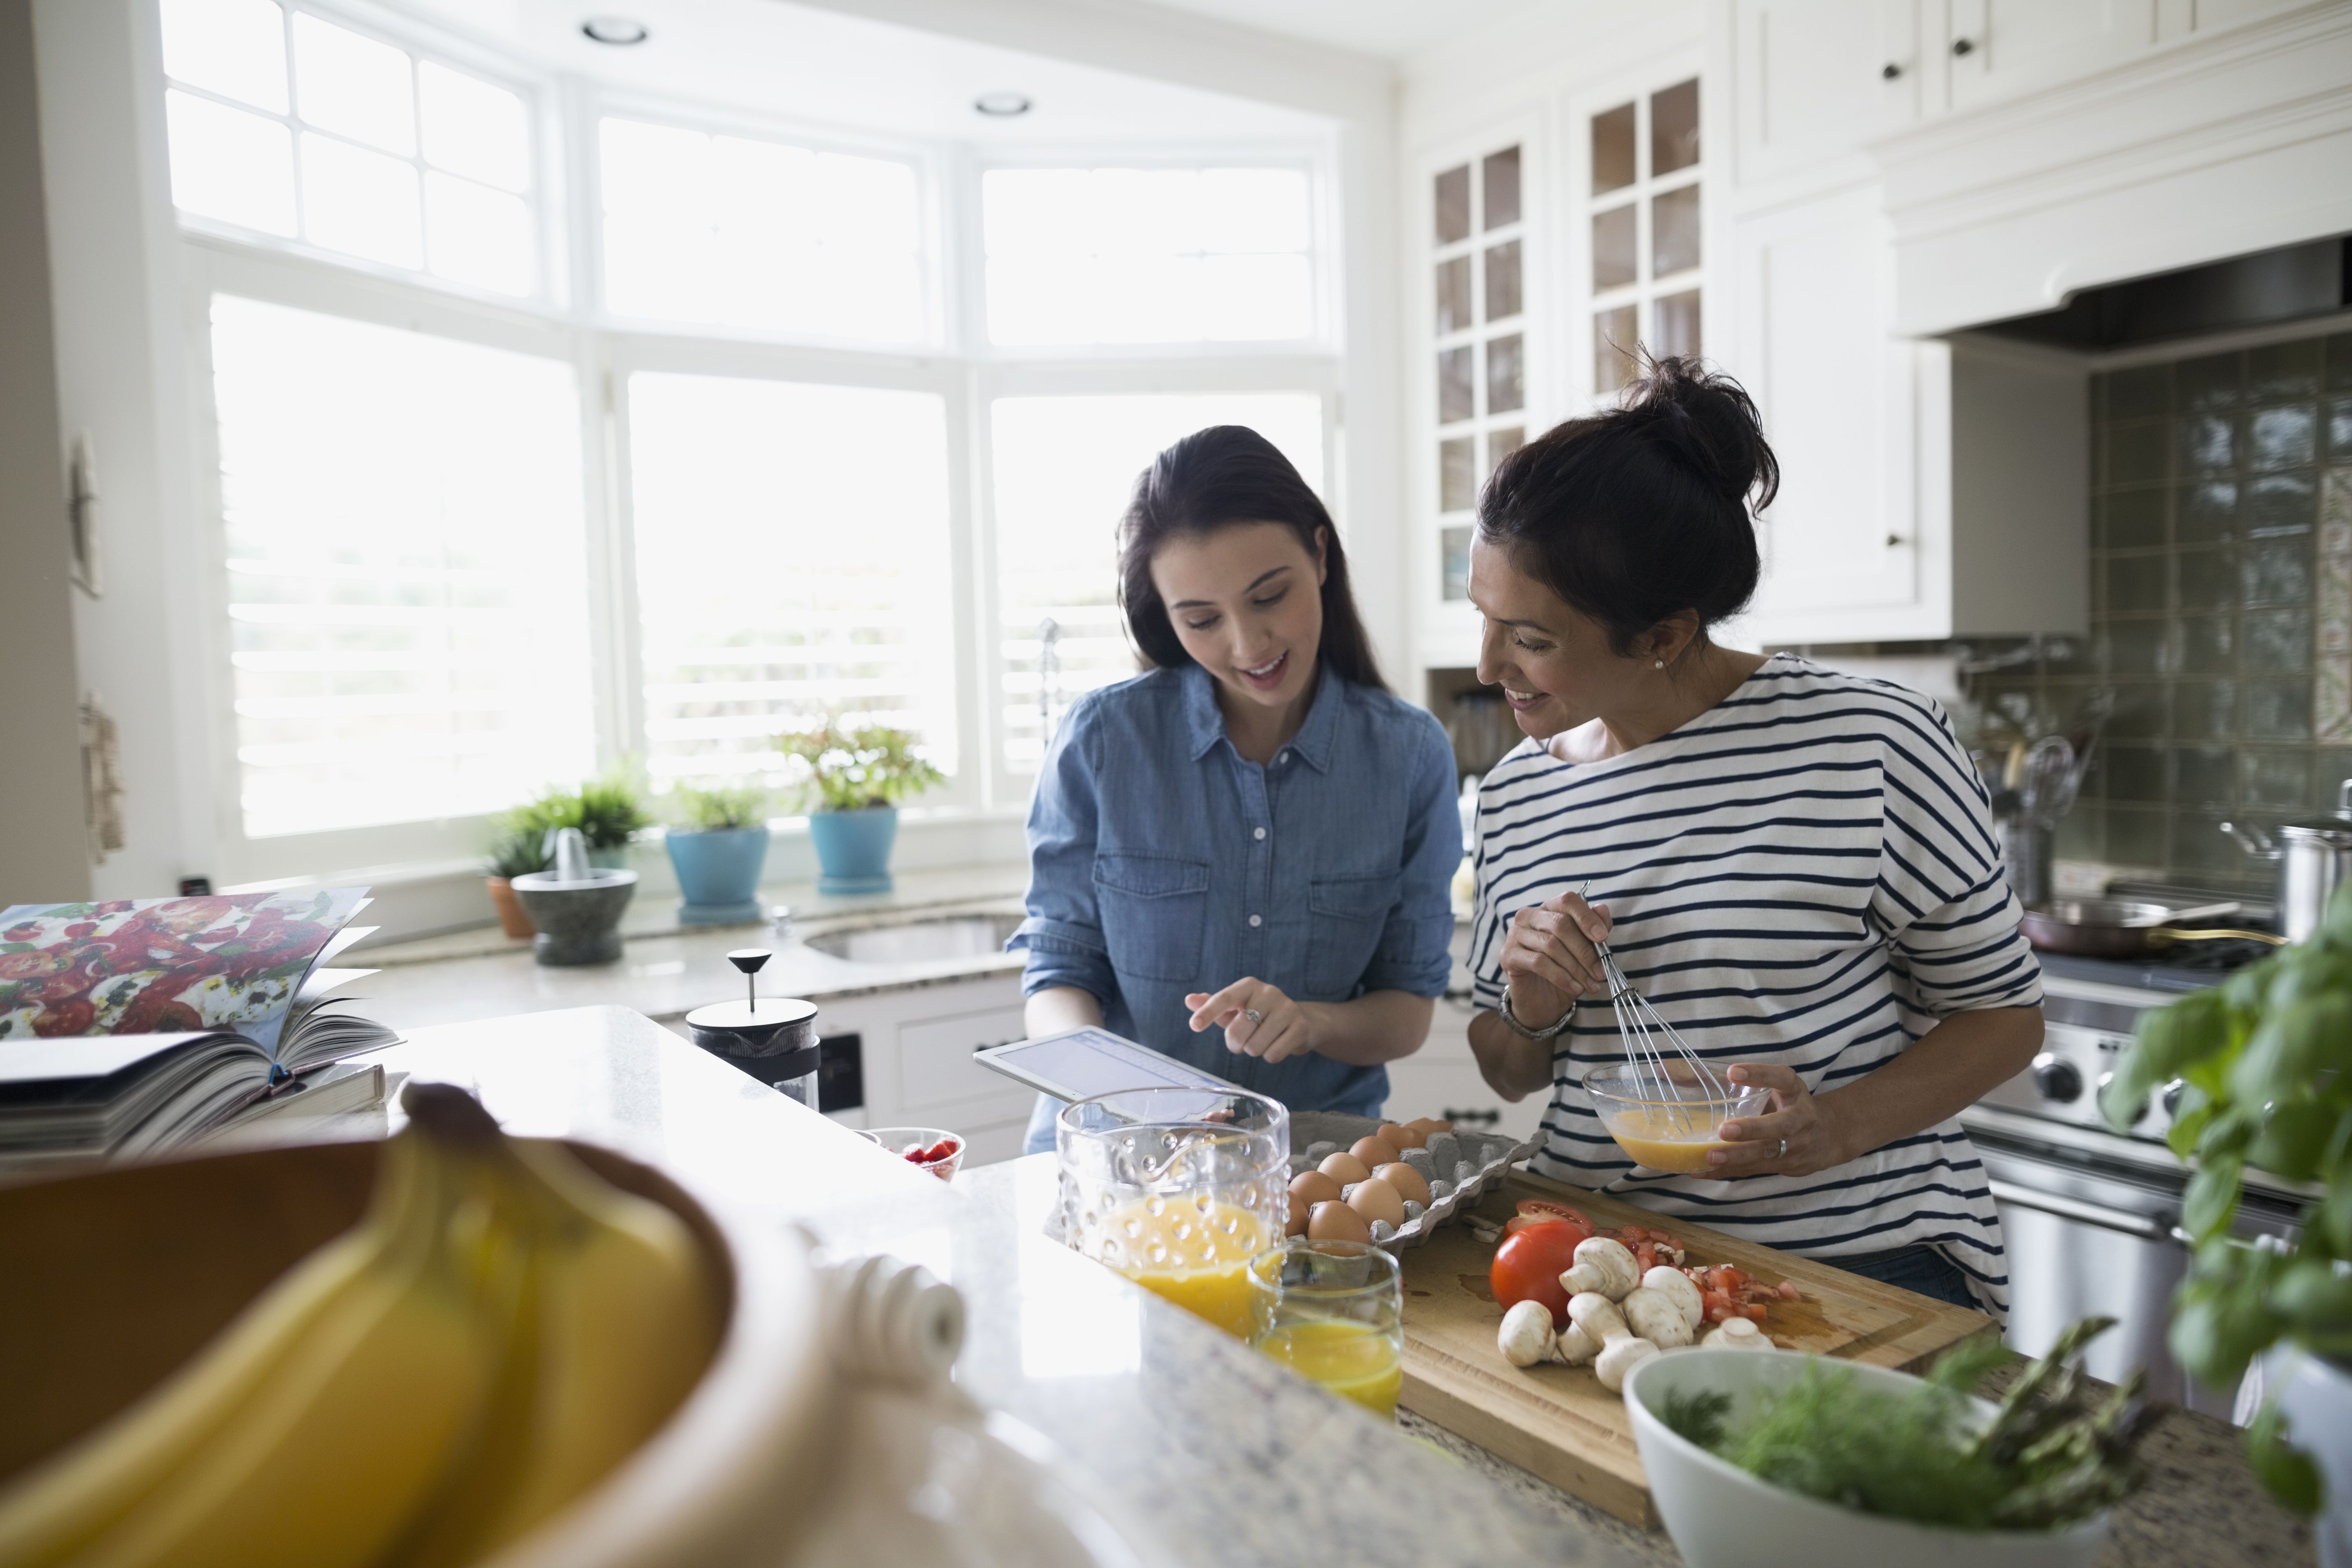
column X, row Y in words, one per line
column 354, row 85
column 234, row 47
column 230, row 166
column 360, row 202
column 1065, row 467
column 1079, row 255
column 1501, row 187
column 476, row 234
column 474, row 128
column 1454, row 205
column 1503, row 300
column 1614, row 259
column 760, row 235
column 1674, row 232
column 1674, row 128
column 1507, row 374
column 1501, row 444
column 1457, row 474
column 1454, row 563
column 1677, row 323
column 407, row 585
column 1615, row 336
column 1452, row 295
column 792, row 544
column 1613, row 150
column 1455, row 397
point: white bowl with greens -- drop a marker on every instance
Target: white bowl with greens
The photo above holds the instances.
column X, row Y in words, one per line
column 1898, row 1450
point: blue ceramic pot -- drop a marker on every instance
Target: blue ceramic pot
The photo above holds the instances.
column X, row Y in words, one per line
column 853, row 849
column 718, row 873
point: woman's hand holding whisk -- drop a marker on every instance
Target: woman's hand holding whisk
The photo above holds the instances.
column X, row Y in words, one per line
column 1549, row 957
column 1793, row 1139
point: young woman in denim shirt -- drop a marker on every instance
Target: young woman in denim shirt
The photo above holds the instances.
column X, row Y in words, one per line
column 1242, row 858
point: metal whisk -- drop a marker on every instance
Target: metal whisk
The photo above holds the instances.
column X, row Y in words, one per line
column 1640, row 1029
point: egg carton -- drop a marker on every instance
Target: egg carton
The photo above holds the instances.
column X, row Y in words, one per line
column 1457, row 1166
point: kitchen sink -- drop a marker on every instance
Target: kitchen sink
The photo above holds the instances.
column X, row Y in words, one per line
column 919, row 941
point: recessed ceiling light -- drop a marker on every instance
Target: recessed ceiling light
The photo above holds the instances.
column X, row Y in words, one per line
column 1001, row 105
column 614, row 30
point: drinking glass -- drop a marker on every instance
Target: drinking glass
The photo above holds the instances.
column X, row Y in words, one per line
column 1333, row 1311
column 1177, row 1189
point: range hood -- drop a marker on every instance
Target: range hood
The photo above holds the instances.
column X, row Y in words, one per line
column 2288, row 284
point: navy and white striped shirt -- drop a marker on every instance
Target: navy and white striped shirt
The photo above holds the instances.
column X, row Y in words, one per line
column 1805, row 874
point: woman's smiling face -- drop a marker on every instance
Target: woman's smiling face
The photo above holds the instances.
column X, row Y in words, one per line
column 1553, row 662
column 1247, row 602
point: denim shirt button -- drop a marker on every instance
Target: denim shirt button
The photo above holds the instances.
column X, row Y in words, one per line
column 1257, row 920
column 1259, row 834
column 1282, row 758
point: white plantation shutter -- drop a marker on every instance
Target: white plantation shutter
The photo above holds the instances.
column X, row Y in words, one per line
column 407, row 605
column 1065, row 468
column 792, row 557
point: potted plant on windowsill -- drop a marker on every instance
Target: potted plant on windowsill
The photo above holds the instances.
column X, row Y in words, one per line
column 608, row 812
column 516, row 854
column 2264, row 1065
column 718, row 848
column 859, row 776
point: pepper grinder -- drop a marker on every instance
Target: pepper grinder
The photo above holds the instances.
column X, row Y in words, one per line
column 773, row 1038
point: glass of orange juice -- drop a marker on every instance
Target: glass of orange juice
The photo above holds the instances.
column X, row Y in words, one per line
column 1667, row 1120
column 1333, row 1311
column 1177, row 1189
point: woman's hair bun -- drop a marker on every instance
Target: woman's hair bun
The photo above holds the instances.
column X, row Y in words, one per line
column 1712, row 424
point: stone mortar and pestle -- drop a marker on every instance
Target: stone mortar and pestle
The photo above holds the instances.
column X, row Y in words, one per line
column 576, row 906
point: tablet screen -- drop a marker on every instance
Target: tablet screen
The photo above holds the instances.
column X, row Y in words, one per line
column 1083, row 1063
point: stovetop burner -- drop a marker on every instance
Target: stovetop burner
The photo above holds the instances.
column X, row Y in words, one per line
column 2185, row 966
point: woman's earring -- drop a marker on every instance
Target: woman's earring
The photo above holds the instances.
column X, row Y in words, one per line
column 1657, row 664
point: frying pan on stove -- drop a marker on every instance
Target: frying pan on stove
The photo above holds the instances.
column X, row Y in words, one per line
column 2124, row 928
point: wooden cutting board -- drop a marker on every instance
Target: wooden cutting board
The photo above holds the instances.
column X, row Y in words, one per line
column 1558, row 1421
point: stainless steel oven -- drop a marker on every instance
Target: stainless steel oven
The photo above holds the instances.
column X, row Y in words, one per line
column 2090, row 1216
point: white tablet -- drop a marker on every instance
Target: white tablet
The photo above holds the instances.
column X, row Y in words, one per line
column 1081, row 1063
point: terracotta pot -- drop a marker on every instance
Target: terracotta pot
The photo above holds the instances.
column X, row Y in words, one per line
column 512, row 918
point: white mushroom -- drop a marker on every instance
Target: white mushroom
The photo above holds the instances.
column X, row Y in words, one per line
column 1576, row 1347
column 1738, row 1334
column 1603, row 1265
column 1597, row 1315
column 1620, row 1356
column 1525, row 1337
column 1675, row 1283
column 1657, row 1317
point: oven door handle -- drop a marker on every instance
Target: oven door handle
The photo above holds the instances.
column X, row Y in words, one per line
column 2105, row 1218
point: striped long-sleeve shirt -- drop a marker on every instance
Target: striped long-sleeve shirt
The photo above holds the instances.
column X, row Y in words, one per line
column 1804, row 874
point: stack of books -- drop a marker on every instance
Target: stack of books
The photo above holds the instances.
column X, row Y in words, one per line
column 134, row 1027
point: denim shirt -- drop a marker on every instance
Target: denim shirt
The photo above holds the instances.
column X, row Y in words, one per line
column 1162, row 861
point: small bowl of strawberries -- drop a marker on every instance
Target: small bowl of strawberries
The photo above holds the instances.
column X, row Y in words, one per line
column 932, row 1149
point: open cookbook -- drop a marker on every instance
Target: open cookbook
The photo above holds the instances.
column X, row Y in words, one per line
column 138, row 1024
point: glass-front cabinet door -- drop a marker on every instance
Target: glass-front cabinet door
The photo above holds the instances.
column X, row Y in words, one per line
column 1477, row 290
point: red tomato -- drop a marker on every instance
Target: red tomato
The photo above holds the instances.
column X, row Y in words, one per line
column 1547, row 1209
column 1528, row 1267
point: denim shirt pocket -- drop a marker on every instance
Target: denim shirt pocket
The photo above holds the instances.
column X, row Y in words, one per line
column 1346, row 918
column 1153, row 909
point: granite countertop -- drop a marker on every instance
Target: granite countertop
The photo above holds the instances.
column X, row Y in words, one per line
column 1173, row 1428
column 666, row 970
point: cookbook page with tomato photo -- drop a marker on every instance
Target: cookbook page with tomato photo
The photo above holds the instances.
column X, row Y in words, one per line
column 133, row 966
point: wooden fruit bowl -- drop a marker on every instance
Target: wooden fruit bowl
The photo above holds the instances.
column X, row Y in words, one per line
column 117, row 1276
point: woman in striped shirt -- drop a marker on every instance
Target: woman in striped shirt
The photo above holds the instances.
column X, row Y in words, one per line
column 1795, row 867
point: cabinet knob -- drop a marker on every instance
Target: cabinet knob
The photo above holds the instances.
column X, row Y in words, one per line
column 1963, row 48
column 1890, row 70
column 1896, row 541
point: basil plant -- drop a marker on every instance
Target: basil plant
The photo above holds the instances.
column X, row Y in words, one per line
column 2261, row 1063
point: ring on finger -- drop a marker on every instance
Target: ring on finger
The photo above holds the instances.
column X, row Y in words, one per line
column 1784, row 1150
column 1255, row 1017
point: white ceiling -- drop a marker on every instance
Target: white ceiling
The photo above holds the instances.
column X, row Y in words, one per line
column 802, row 63
column 1391, row 29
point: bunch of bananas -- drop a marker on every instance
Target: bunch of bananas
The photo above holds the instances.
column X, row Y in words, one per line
column 500, row 1330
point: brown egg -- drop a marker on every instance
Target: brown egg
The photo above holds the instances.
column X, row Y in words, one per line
column 1374, row 1152
column 1314, row 1187
column 1400, row 1138
column 1406, row 1180
column 1376, row 1199
column 1431, row 1126
column 1296, row 1224
column 1345, row 1168
column 1336, row 1222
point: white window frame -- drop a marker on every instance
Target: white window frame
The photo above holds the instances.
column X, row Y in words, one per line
column 567, row 321
column 1584, row 394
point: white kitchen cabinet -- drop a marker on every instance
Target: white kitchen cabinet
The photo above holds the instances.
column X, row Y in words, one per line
column 1998, row 48
column 915, row 1047
column 1812, row 79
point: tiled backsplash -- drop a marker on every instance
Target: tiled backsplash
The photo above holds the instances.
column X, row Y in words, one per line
column 2221, row 609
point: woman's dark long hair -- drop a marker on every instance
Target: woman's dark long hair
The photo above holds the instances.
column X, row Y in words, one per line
column 1636, row 514
column 1213, row 477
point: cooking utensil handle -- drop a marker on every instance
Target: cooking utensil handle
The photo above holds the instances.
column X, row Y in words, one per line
column 2136, row 1225
column 2162, row 934
column 2253, row 840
